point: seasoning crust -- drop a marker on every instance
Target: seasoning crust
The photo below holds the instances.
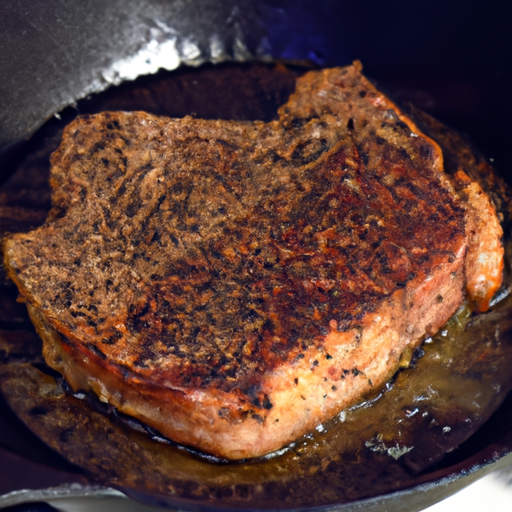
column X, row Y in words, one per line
column 233, row 284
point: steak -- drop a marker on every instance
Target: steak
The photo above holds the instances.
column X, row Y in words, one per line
column 234, row 284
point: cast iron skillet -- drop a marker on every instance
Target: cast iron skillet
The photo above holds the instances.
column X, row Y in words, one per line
column 55, row 55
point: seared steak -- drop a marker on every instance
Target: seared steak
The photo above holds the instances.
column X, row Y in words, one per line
column 233, row 284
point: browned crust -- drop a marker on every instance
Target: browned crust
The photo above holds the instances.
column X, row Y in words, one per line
column 459, row 153
column 487, row 200
column 264, row 276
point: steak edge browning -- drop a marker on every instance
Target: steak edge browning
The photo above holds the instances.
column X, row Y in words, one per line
column 234, row 284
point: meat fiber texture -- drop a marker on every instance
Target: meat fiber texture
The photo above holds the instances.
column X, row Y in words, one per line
column 234, row 284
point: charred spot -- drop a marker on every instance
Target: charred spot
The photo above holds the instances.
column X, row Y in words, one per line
column 266, row 403
column 251, row 315
column 364, row 157
column 356, row 372
column 251, row 391
column 423, row 259
column 113, row 125
column 343, row 326
column 256, row 417
column 274, row 157
column 230, row 371
column 362, row 94
column 403, row 126
column 298, row 122
column 95, row 350
column 223, row 412
column 256, row 402
column 350, row 124
column 98, row 146
column 111, row 340
column 141, row 363
column 200, row 288
column 403, row 154
column 160, row 200
column 105, row 161
column 228, row 145
column 66, row 434
column 68, row 298
column 133, row 207
column 174, row 240
column 38, row 410
column 155, row 237
column 121, row 191
column 268, row 325
column 426, row 150
column 297, row 152
column 309, row 151
column 143, row 311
